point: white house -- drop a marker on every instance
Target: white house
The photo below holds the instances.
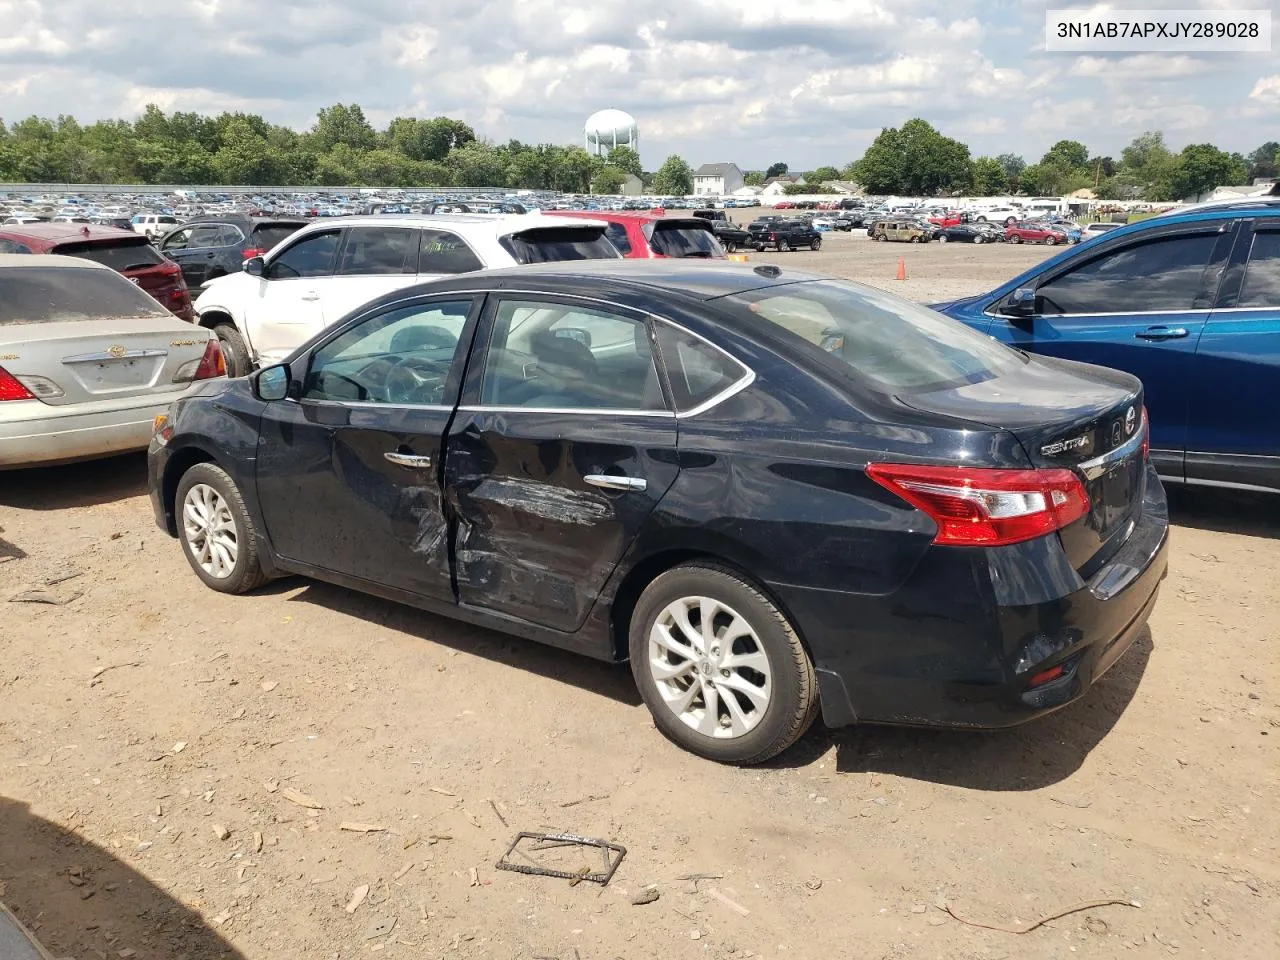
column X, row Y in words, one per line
column 716, row 179
column 633, row 186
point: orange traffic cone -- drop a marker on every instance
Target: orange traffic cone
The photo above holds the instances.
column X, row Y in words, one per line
column 902, row 269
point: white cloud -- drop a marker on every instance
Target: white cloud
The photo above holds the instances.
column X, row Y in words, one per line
column 808, row 81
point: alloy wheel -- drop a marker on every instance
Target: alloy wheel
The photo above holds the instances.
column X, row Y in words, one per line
column 710, row 667
column 210, row 530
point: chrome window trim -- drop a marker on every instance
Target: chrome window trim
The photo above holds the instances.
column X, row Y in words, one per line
column 611, row 411
column 1096, row 467
column 992, row 312
column 371, row 405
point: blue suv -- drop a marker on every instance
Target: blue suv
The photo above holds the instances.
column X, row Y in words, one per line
column 1190, row 303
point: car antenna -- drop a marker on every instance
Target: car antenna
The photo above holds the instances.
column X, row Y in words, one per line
column 769, row 270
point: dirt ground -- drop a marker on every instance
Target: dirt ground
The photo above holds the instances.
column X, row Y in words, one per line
column 160, row 745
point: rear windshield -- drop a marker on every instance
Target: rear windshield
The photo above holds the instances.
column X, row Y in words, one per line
column 684, row 241
column 553, row 244
column 63, row 294
column 267, row 235
column 891, row 345
column 125, row 253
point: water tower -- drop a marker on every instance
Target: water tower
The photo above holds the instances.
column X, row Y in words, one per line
column 611, row 128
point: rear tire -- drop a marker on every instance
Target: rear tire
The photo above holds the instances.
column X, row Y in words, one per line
column 216, row 530
column 234, row 350
column 765, row 670
column 784, row 245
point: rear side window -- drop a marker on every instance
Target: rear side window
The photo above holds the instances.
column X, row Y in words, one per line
column 617, row 235
column 379, row 251
column 60, row 295
column 267, row 235
column 885, row 343
column 1161, row 274
column 122, row 254
column 554, row 244
column 444, row 252
column 683, row 241
column 1262, row 277
column 698, row 371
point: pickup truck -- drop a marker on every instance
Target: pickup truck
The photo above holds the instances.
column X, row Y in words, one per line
column 730, row 235
column 788, row 235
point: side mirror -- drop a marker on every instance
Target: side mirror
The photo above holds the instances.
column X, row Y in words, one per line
column 1020, row 303
column 272, row 383
column 254, row 266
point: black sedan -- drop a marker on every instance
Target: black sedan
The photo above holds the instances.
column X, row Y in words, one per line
column 966, row 233
column 776, row 495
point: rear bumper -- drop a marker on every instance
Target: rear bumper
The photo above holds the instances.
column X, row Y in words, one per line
column 968, row 660
column 33, row 433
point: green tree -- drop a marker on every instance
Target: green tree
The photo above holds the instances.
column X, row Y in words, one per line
column 1011, row 164
column 245, row 157
column 1066, row 155
column 608, row 179
column 1200, row 168
column 915, row 160
column 989, row 178
column 674, row 177
column 343, row 124
column 823, row 174
column 626, row 159
column 476, row 164
column 753, row 178
column 1264, row 161
column 775, row 170
column 427, row 139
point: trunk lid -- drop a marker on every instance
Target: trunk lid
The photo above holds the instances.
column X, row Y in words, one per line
column 140, row 355
column 1065, row 414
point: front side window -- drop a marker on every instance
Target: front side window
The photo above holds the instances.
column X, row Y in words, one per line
column 446, row 253
column 1166, row 273
column 401, row 357
column 371, row 251
column 549, row 354
column 311, row 256
column 888, row 344
column 1262, row 277
column 178, row 240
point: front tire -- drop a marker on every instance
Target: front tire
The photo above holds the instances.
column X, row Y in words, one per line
column 216, row 531
column 816, row 245
column 730, row 247
column 234, row 350
column 942, row 238
column 1049, row 241
column 915, row 239
column 1015, row 239
column 720, row 668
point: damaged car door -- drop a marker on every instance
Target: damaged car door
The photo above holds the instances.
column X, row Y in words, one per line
column 349, row 463
column 563, row 446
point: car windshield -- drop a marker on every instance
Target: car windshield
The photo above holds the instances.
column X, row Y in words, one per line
column 888, row 343
column 554, row 244
column 67, row 294
column 683, row 240
column 125, row 253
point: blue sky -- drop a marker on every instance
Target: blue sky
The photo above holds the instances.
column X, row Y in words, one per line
column 751, row 81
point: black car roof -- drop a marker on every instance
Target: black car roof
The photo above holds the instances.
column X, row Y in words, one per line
column 695, row 278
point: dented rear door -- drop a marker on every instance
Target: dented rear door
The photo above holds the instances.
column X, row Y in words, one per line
column 556, row 459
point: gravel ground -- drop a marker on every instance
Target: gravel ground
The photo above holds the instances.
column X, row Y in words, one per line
column 177, row 766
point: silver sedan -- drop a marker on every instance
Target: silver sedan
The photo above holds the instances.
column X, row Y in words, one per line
column 87, row 361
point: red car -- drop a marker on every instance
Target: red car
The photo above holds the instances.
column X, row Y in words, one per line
column 947, row 220
column 642, row 236
column 1031, row 231
column 124, row 251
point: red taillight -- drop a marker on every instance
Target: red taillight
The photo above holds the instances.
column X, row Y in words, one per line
column 1045, row 676
column 979, row 507
column 213, row 363
column 253, row 252
column 1146, row 436
column 12, row 389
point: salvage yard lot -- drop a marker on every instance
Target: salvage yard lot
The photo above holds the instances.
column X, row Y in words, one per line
column 165, row 723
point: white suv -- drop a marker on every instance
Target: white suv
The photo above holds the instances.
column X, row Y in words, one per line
column 320, row 274
column 1005, row 215
column 152, row 225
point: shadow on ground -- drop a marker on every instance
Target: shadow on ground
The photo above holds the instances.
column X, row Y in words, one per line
column 84, row 484
column 114, row 910
column 1038, row 754
column 1225, row 511
column 594, row 676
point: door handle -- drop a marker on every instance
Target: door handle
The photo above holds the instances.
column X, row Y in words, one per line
column 310, row 295
column 610, row 482
column 410, row 460
column 1162, row 333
